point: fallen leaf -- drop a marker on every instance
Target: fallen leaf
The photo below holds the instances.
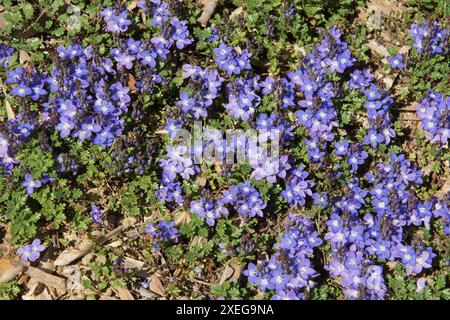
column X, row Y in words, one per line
column 226, row 274
column 9, row 269
column 132, row 83
column 386, row 7
column 23, row 57
column 182, row 217
column 207, row 11
column 132, row 5
column 69, row 255
column 236, row 12
column 43, row 295
column 9, row 110
column 378, row 48
column 46, row 278
column 156, row 286
column 147, row 294
column 131, row 263
column 123, row 293
column 445, row 189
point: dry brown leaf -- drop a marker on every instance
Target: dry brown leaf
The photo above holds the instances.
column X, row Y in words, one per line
column 9, row 110
column 23, row 57
column 156, row 286
column 182, row 217
column 115, row 244
column 69, row 255
column 3, row 22
column 386, row 7
column 226, row 274
column 238, row 268
column 46, row 278
column 123, row 293
column 132, row 5
column 236, row 12
column 144, row 293
column 378, row 48
column 208, row 9
column 9, row 269
column 131, row 263
column 43, row 295
column 73, row 274
column 132, row 83
column 201, row 181
column 445, row 189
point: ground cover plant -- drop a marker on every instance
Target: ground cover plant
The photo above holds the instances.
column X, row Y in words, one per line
column 105, row 192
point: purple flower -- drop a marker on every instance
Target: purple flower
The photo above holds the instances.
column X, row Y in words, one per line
column 396, row 62
column 32, row 251
column 125, row 60
column 21, row 91
column 96, row 214
column 30, row 184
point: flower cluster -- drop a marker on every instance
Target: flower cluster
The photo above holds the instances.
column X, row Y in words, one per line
column 163, row 231
column 317, row 113
column 7, row 159
column 245, row 199
column 297, row 188
column 377, row 105
column 441, row 209
column 5, row 54
column 242, row 98
column 205, row 84
column 116, row 20
column 356, row 239
column 397, row 61
column 210, row 210
column 289, row 272
column 82, row 115
column 96, row 214
column 429, row 38
column 434, row 114
column 31, row 252
column 232, row 60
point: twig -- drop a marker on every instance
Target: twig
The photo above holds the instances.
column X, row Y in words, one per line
column 67, row 257
column 201, row 282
